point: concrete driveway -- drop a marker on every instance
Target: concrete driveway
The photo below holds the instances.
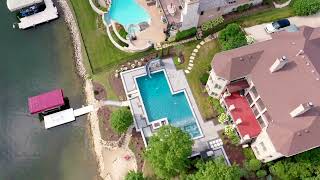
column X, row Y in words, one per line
column 259, row 34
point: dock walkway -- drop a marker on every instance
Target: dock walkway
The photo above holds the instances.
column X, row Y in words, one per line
column 47, row 15
column 65, row 116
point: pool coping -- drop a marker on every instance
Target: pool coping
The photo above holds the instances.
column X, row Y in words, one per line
column 172, row 93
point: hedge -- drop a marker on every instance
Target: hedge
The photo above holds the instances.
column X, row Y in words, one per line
column 186, row 34
column 306, row 7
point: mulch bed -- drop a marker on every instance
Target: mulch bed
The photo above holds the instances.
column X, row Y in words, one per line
column 117, row 85
column 234, row 152
column 137, row 146
column 99, row 91
column 105, row 127
column 252, row 10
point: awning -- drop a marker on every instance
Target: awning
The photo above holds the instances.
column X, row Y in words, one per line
column 46, row 101
column 237, row 86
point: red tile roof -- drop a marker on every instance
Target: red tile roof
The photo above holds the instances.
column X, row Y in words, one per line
column 243, row 111
column 46, row 101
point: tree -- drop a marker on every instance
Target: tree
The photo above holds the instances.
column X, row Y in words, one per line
column 232, row 37
column 168, row 151
column 121, row 119
column 261, row 173
column 253, row 165
column 133, row 175
column 305, row 8
column 216, row 169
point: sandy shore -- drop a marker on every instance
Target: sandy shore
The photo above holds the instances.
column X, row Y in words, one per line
column 111, row 164
column 93, row 118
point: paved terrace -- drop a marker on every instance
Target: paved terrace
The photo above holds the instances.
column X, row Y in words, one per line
column 178, row 82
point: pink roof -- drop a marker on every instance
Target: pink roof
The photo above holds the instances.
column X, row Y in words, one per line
column 46, row 101
column 243, row 111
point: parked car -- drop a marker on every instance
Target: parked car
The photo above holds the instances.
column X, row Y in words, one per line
column 277, row 25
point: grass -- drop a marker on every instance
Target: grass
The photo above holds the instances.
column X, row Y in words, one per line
column 102, row 78
column 201, row 65
column 265, row 16
column 101, row 52
column 256, row 18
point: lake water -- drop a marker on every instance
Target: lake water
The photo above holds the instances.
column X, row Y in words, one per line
column 34, row 61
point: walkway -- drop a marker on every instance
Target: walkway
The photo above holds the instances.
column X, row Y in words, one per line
column 195, row 52
column 115, row 103
column 47, row 15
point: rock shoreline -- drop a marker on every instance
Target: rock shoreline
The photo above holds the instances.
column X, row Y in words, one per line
column 87, row 83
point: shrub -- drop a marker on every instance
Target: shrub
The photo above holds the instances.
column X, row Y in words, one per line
column 133, row 175
column 204, row 78
column 305, row 8
column 223, row 117
column 248, row 153
column 243, row 7
column 261, row 173
column 253, row 165
column 212, row 23
column 186, row 34
column 216, row 105
column 121, row 119
column 232, row 37
column 232, row 134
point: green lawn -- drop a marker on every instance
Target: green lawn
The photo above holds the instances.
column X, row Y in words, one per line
column 201, row 65
column 101, row 52
column 265, row 16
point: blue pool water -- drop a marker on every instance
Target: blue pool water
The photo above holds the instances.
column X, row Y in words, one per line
column 127, row 12
column 160, row 103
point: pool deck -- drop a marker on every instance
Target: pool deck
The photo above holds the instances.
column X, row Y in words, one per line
column 177, row 82
column 154, row 32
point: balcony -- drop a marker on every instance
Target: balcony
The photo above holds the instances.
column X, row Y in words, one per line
column 242, row 115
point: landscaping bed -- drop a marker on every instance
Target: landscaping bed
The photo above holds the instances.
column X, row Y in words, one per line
column 234, row 152
column 99, row 91
column 107, row 133
column 137, row 146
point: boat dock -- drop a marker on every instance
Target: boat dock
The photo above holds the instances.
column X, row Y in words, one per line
column 65, row 116
column 47, row 15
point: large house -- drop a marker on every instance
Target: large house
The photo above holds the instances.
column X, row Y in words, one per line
column 185, row 14
column 271, row 90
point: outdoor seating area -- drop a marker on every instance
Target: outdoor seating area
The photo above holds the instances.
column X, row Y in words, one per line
column 172, row 10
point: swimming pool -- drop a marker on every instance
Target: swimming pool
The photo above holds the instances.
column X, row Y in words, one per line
column 127, row 12
column 160, row 103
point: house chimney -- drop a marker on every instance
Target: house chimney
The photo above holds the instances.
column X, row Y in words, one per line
column 302, row 108
column 238, row 121
column 278, row 64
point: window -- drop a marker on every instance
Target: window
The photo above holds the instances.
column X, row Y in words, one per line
column 202, row 12
column 214, row 94
column 261, row 122
column 217, row 86
column 254, row 92
column 255, row 110
column 267, row 116
column 260, row 104
column 218, row 9
column 263, row 146
column 249, row 98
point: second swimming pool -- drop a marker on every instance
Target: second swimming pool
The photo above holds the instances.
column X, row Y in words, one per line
column 127, row 12
column 160, row 103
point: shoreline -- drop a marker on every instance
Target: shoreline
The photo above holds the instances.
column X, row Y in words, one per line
column 87, row 85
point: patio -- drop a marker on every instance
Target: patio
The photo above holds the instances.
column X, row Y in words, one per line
column 248, row 124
